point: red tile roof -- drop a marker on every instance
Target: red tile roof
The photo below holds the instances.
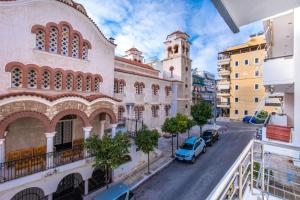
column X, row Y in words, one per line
column 136, row 63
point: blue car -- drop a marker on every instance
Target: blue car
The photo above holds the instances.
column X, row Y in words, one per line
column 119, row 191
column 190, row 149
column 247, row 119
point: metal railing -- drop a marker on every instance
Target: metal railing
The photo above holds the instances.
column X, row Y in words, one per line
column 14, row 169
column 256, row 169
column 132, row 126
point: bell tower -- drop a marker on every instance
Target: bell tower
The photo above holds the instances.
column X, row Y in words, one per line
column 177, row 67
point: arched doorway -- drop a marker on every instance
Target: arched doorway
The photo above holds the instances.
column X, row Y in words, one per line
column 33, row 193
column 70, row 188
column 98, row 179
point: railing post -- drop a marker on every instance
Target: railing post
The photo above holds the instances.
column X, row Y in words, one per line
column 252, row 165
column 241, row 182
column 262, row 168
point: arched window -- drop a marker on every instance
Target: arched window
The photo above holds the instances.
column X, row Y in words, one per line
column 45, row 80
column 171, row 71
column 176, row 49
column 40, row 40
column 121, row 86
column 137, row 88
column 141, row 88
column 16, row 78
column 32, row 79
column 69, row 82
column 65, row 40
column 97, row 83
column 53, row 40
column 138, row 112
column 168, row 90
column 170, row 52
column 183, row 49
column 58, row 81
column 75, row 46
column 79, row 83
column 155, row 89
column 116, row 86
column 85, row 49
column 154, row 110
column 167, row 109
column 121, row 111
column 88, row 86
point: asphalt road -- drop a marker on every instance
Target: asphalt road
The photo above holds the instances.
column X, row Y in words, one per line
column 185, row 181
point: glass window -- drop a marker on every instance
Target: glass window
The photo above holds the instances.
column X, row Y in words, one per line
column 85, row 52
column 236, row 63
column 65, row 41
column 256, row 73
column 88, row 85
column 16, row 78
column 69, row 82
column 75, row 46
column 236, row 75
column 236, row 87
column 79, row 83
column 246, row 62
column 32, row 79
column 40, row 40
column 236, row 99
column 53, row 40
column 97, row 83
column 246, row 112
column 236, row 112
column 46, row 80
column 58, row 81
column 187, row 146
column 256, row 99
column 256, row 86
column 122, row 197
column 256, row 60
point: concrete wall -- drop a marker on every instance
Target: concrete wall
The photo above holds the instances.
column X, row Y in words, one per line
column 288, row 108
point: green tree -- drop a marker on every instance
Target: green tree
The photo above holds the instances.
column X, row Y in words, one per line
column 146, row 140
column 109, row 152
column 201, row 112
column 181, row 123
column 170, row 126
column 190, row 124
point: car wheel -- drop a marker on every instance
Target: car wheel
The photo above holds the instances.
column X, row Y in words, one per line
column 193, row 159
column 210, row 143
column 204, row 149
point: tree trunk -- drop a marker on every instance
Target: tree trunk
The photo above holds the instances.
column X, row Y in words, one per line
column 106, row 177
column 172, row 146
column 200, row 130
column 177, row 141
column 148, row 163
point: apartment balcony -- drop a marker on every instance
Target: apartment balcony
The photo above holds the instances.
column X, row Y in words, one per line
column 279, row 73
column 223, row 104
column 223, row 94
column 224, row 85
column 224, row 72
column 223, row 59
column 139, row 98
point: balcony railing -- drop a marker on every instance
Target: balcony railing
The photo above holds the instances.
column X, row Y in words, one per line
column 26, row 166
column 259, row 174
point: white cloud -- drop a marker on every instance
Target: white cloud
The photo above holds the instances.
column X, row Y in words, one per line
column 146, row 23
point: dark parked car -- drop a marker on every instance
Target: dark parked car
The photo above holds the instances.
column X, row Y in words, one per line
column 210, row 136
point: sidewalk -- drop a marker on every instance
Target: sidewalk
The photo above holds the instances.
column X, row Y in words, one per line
column 164, row 145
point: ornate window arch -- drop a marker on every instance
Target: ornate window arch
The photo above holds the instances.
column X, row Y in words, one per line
column 46, row 79
column 97, row 84
column 53, row 39
column 171, row 72
column 121, row 88
column 168, row 90
column 69, row 82
column 154, row 109
column 40, row 38
column 85, row 51
column 75, row 46
column 65, row 37
column 79, row 83
column 176, row 49
column 170, row 52
column 16, row 77
column 155, row 89
column 88, row 84
column 58, row 77
column 138, row 112
column 32, row 78
column 167, row 109
column 116, row 83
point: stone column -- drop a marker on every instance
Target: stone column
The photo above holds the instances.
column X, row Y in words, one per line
column 50, row 145
column 113, row 130
column 87, row 132
column 130, row 112
column 174, row 100
column 102, row 123
column 86, row 187
column 2, row 150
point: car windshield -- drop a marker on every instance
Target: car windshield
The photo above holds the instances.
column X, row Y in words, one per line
column 207, row 133
column 187, row 146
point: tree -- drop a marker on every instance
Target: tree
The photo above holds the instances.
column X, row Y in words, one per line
column 182, row 124
column 201, row 112
column 109, row 152
column 175, row 125
column 190, row 124
column 170, row 126
column 146, row 140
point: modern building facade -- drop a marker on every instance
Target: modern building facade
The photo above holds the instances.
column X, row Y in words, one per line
column 60, row 83
column 240, row 89
column 203, row 86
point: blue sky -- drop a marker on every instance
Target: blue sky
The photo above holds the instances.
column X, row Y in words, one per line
column 146, row 23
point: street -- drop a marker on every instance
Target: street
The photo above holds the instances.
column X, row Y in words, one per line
column 187, row 181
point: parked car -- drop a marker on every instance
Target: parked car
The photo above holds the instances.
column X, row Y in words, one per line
column 247, row 119
column 210, row 136
column 119, row 191
column 190, row 149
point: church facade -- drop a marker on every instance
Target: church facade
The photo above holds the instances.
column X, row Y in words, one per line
column 60, row 82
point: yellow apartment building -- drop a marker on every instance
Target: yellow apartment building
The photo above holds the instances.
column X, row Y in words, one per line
column 240, row 89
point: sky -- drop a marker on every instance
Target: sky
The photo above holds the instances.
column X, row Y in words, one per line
column 144, row 24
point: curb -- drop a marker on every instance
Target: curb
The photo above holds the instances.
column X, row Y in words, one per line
column 152, row 174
